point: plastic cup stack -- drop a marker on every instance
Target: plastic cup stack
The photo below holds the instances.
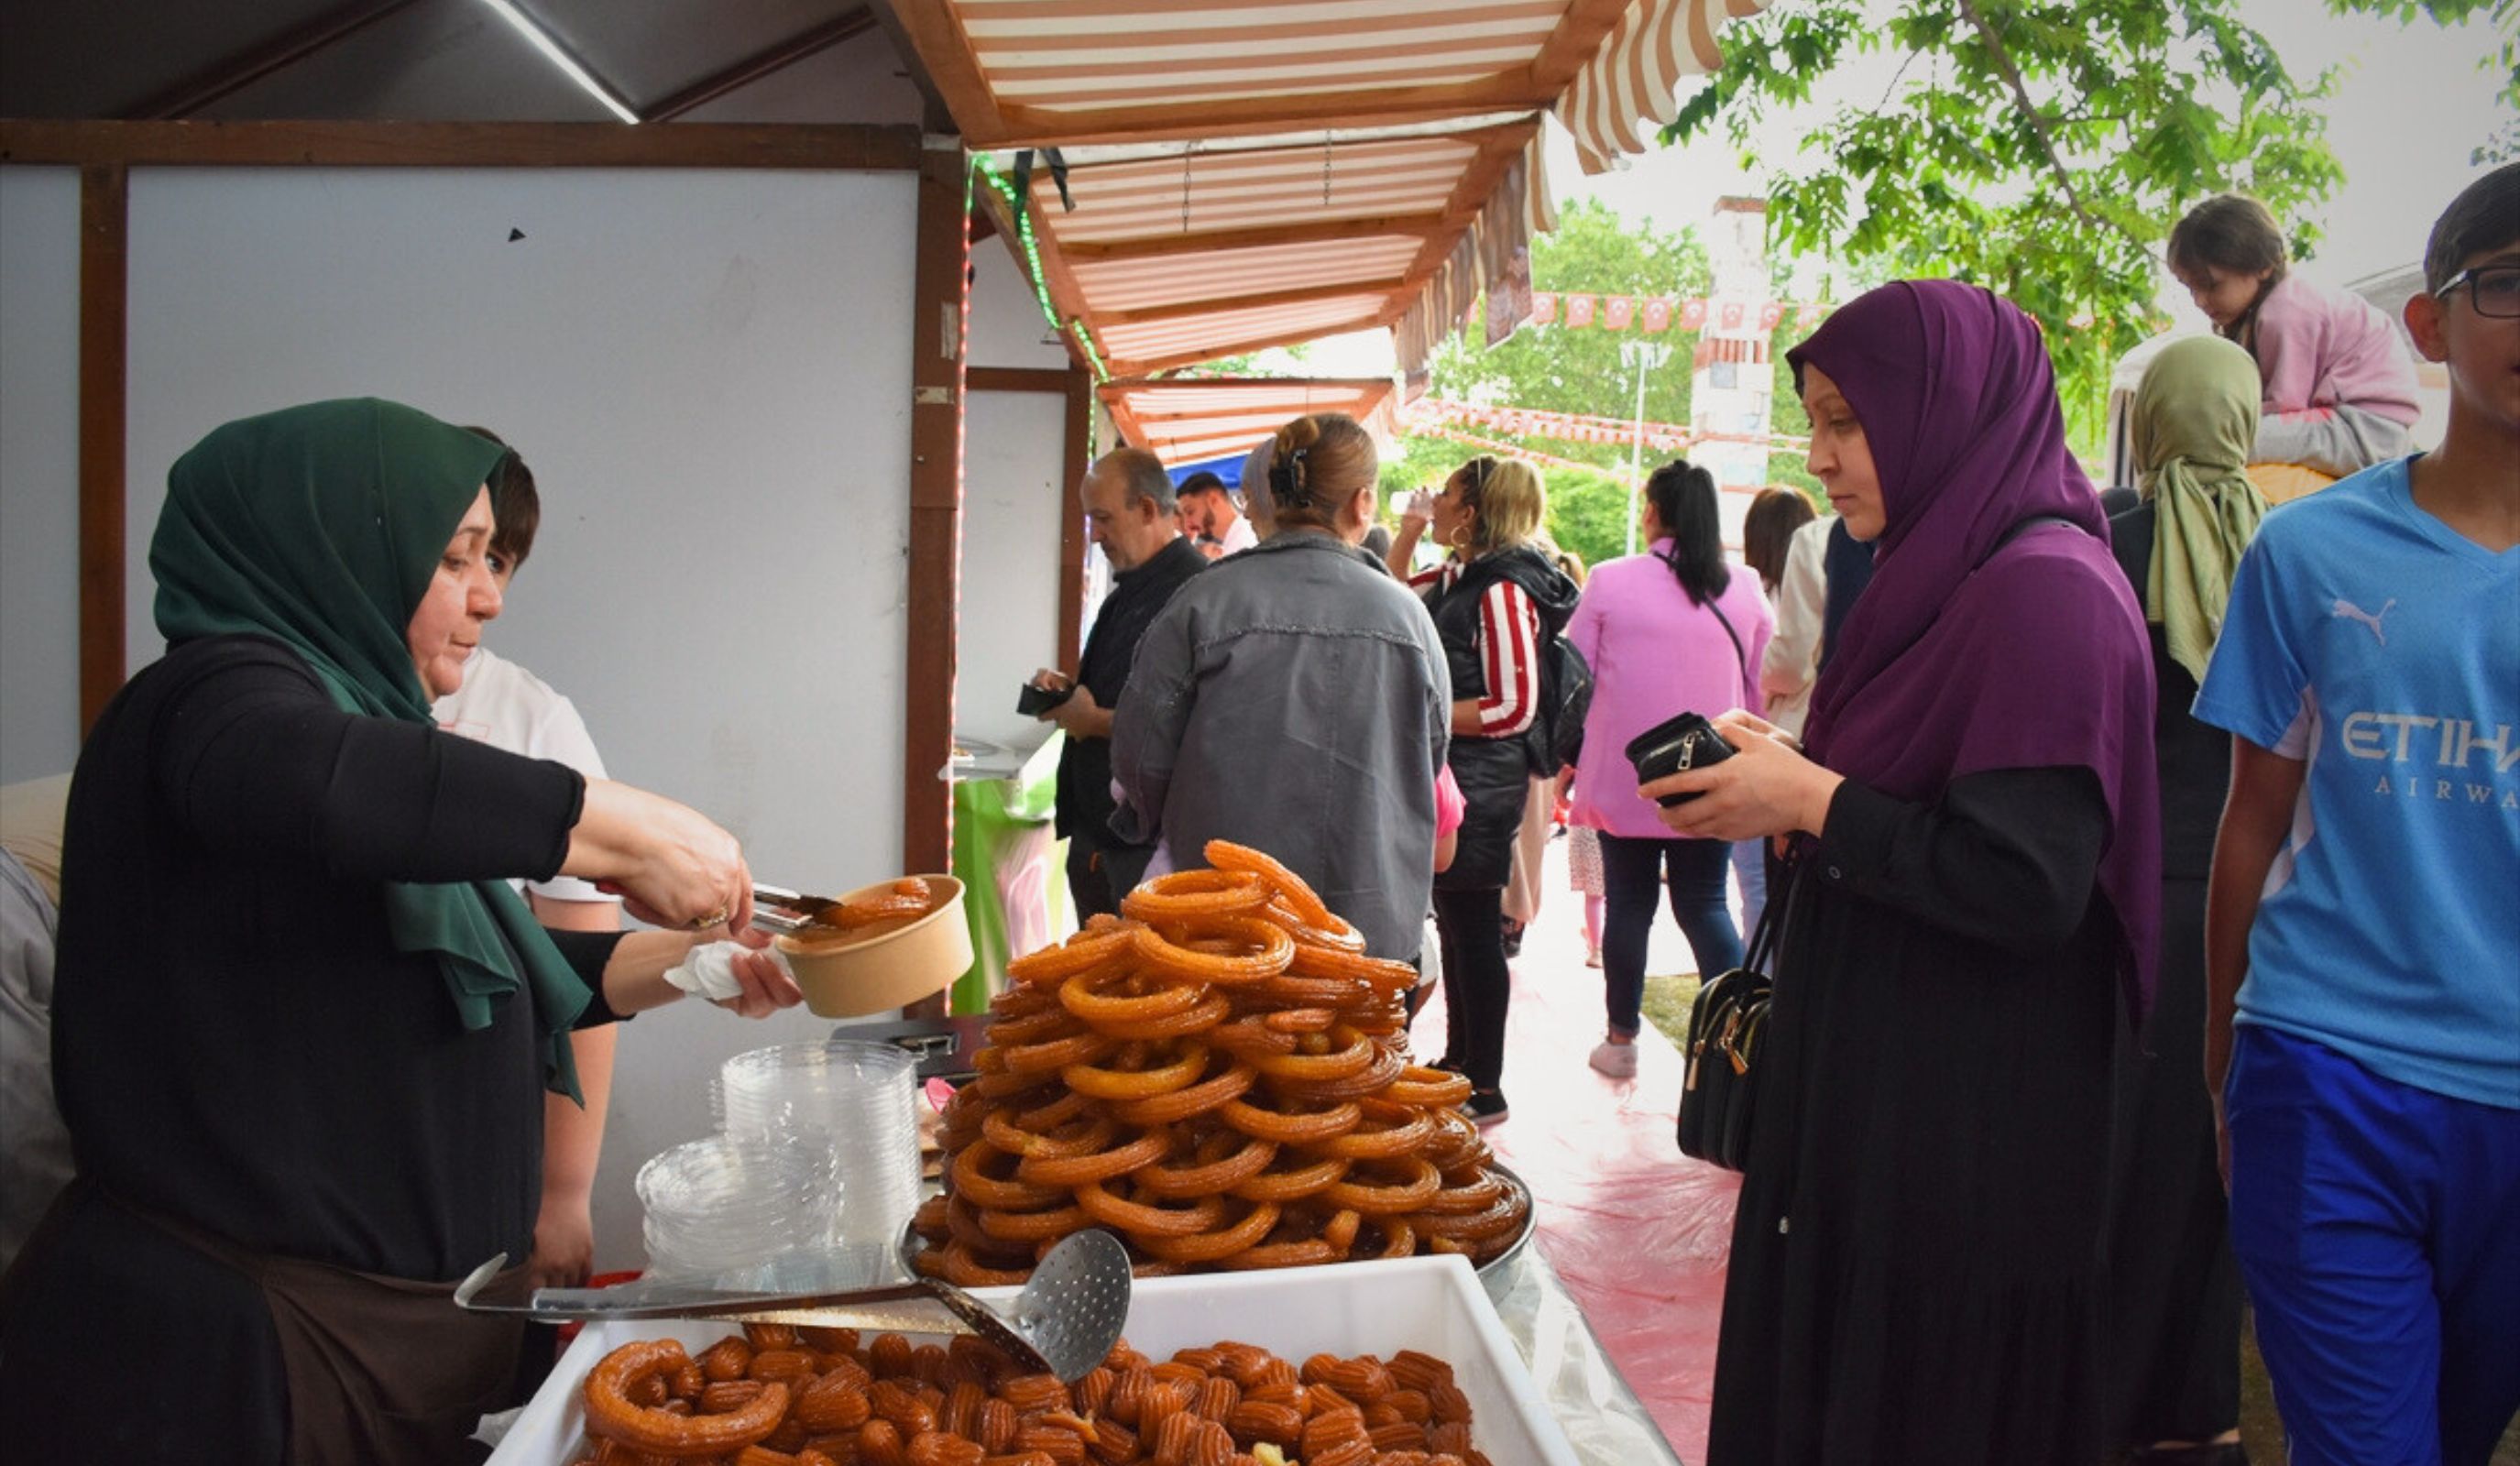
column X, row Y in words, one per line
column 853, row 1104
column 731, row 1209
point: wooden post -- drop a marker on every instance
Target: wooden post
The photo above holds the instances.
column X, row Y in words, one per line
column 1075, row 454
column 104, row 216
column 939, row 318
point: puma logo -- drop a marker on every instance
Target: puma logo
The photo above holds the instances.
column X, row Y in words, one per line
column 2352, row 612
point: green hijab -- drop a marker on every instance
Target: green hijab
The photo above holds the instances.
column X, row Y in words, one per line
column 320, row 526
column 2195, row 418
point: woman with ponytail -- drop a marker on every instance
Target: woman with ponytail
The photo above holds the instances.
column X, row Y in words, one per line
column 1293, row 698
column 1495, row 603
column 1670, row 631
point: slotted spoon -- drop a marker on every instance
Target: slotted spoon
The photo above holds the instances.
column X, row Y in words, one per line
column 1064, row 1323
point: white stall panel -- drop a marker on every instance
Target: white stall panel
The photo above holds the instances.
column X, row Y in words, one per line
column 1015, row 499
column 39, row 296
column 709, row 372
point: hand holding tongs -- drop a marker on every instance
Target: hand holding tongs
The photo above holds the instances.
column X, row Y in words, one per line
column 776, row 909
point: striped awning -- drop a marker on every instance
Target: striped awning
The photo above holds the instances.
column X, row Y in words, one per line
column 1179, row 253
column 1250, row 173
column 1191, row 419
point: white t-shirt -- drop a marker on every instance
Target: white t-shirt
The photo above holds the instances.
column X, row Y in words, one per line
column 1241, row 536
column 1793, row 661
column 506, row 706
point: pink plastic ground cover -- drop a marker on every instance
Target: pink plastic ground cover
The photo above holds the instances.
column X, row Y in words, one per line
column 1638, row 1231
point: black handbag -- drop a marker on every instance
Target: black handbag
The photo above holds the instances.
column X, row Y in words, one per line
column 1728, row 1030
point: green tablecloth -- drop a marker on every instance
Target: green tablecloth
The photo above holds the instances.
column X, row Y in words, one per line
column 999, row 823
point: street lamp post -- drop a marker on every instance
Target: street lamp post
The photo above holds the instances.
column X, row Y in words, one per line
column 1640, row 357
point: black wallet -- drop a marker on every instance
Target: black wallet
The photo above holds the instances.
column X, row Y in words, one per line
column 1675, row 744
column 1034, row 701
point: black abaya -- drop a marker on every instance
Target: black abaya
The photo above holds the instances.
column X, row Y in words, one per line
column 1915, row 1264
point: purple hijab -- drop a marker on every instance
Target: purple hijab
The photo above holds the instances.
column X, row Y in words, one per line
column 2036, row 659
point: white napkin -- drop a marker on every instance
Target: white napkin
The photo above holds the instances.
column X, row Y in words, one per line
column 708, row 969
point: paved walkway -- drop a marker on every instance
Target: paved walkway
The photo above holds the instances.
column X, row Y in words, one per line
column 1639, row 1231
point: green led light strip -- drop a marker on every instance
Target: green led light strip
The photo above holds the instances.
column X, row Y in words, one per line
column 1017, row 205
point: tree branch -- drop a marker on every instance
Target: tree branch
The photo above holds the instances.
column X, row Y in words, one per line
column 2021, row 103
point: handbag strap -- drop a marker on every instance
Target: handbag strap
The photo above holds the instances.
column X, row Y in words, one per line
column 1770, row 930
column 1741, row 654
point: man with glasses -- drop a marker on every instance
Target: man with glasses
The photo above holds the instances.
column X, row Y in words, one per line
column 2363, row 918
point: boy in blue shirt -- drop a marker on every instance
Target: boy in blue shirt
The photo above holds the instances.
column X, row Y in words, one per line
column 2362, row 922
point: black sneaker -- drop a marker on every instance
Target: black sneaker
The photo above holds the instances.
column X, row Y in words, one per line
column 1485, row 1106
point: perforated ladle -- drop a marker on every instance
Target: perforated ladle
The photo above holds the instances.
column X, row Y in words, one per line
column 1064, row 1323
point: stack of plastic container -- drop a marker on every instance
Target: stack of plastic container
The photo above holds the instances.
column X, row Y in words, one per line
column 728, row 1209
column 813, row 1180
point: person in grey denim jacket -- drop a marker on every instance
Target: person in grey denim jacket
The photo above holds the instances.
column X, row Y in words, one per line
column 1294, row 698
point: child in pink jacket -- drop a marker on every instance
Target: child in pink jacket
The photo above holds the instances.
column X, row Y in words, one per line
column 2340, row 389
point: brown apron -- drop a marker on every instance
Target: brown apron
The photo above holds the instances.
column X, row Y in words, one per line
column 382, row 1372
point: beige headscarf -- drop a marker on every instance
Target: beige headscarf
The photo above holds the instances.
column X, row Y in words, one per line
column 2195, row 416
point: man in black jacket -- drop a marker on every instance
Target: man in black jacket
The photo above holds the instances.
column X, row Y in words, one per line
column 1130, row 513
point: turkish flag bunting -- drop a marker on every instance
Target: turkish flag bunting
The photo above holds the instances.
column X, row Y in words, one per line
column 1657, row 313
column 1734, row 315
column 1544, row 308
column 1580, row 309
column 1692, row 313
column 1618, row 311
column 1771, row 314
column 1806, row 317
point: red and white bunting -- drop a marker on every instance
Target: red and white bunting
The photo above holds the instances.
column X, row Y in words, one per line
column 1658, row 313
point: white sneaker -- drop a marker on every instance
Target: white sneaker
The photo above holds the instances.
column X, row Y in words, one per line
column 1617, row 1061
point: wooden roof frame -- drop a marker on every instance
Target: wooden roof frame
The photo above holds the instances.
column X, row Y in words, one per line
column 952, row 68
column 1375, row 392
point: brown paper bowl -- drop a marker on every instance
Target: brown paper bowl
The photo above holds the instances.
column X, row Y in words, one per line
column 890, row 969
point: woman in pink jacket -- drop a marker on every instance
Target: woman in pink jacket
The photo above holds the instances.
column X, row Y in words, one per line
column 1669, row 630
column 2339, row 385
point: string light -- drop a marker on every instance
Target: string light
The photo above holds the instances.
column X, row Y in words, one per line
column 1034, row 273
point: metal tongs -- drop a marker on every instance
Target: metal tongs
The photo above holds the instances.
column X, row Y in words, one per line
column 1064, row 1323
column 776, row 909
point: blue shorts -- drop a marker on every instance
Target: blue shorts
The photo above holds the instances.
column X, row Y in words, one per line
column 2378, row 1231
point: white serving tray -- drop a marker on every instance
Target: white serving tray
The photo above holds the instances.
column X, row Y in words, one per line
column 1433, row 1305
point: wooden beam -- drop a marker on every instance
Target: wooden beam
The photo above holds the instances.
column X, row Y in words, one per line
column 1016, row 378
column 1035, row 127
column 1469, row 197
column 467, row 144
column 1255, row 236
column 939, row 322
column 1119, row 386
column 1262, row 300
column 105, row 218
column 236, row 74
column 841, row 27
column 930, row 37
column 1579, row 33
column 1076, row 452
column 1134, row 366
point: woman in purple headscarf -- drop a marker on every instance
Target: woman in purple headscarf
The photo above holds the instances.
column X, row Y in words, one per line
column 1915, row 1268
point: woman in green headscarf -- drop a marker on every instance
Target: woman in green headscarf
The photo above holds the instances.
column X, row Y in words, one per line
column 2175, row 1289
column 301, row 1024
